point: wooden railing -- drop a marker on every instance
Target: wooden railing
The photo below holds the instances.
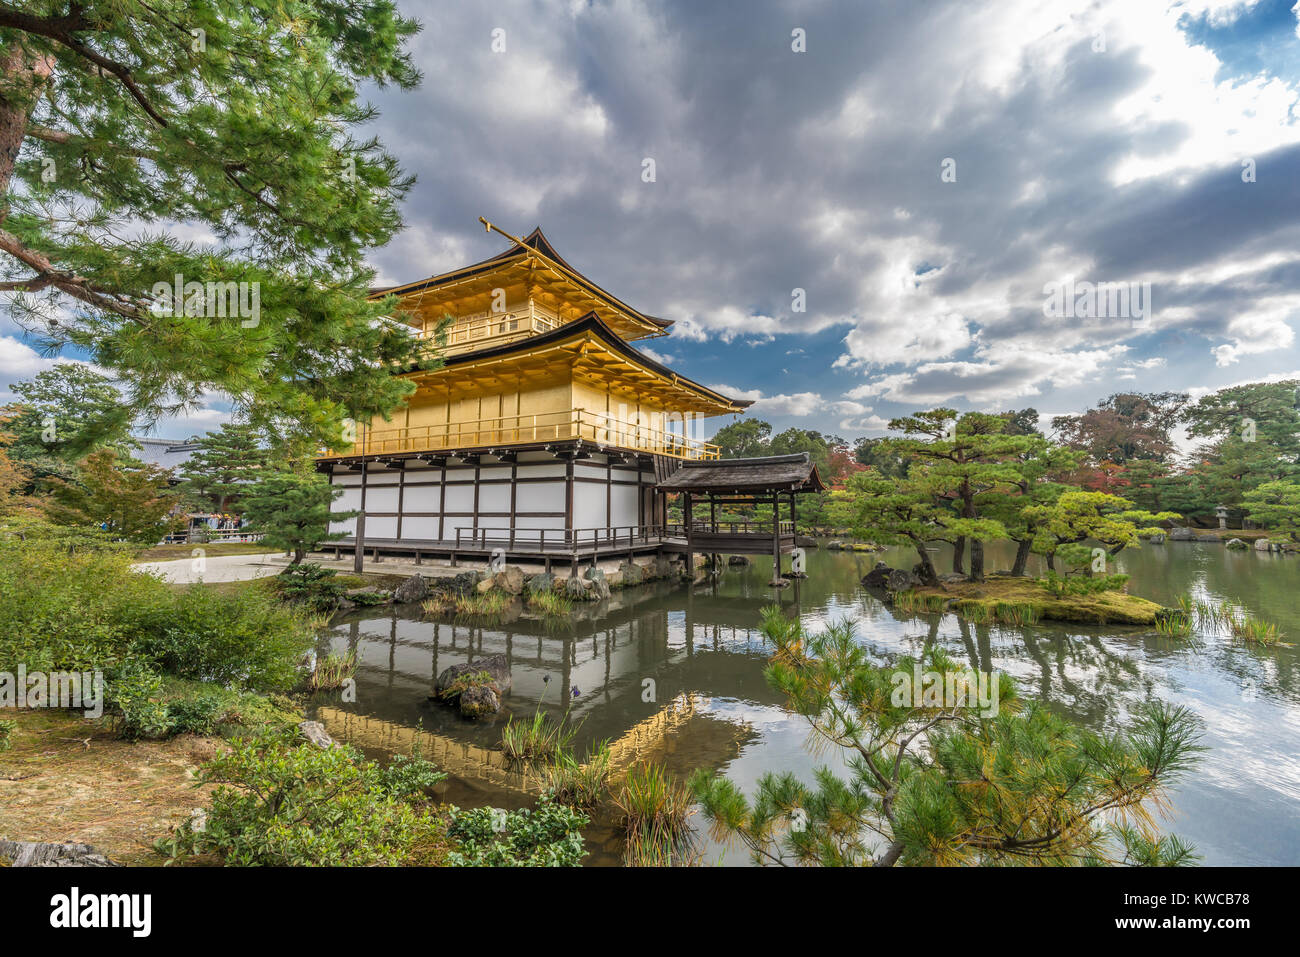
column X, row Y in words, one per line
column 596, row 427
column 467, row 333
column 559, row 539
column 678, row 530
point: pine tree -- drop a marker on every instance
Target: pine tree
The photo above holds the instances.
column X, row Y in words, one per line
column 225, row 464
column 292, row 511
column 935, row 781
column 236, row 118
column 971, row 464
column 62, row 414
column 1077, row 516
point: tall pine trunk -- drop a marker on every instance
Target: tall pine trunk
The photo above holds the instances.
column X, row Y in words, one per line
column 1022, row 557
column 959, row 555
column 20, row 81
column 976, row 560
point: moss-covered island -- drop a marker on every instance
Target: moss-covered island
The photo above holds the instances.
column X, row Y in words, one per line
column 1016, row 600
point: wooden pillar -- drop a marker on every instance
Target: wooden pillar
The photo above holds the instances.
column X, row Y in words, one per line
column 358, row 556
column 776, row 538
column 690, row 534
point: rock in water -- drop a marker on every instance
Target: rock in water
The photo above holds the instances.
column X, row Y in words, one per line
column 415, row 588
column 41, row 854
column 495, row 667
column 631, row 573
column 1182, row 535
column 540, row 584
column 737, row 560
column 315, row 732
column 877, row 576
column 1236, row 545
column 1263, row 544
column 577, row 588
column 480, row 701
column 899, row 580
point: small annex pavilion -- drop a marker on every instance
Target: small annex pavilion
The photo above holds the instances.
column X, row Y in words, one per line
column 545, row 432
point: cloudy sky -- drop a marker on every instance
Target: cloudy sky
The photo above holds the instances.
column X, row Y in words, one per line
column 923, row 171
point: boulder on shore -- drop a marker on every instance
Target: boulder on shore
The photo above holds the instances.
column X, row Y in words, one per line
column 890, row 579
column 42, row 854
column 1181, row 534
column 463, row 584
column 510, row 580
column 415, row 588
column 1263, row 545
column 315, row 732
column 540, row 583
column 1237, row 545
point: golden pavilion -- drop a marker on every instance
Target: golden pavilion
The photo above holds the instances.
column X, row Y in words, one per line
column 544, row 430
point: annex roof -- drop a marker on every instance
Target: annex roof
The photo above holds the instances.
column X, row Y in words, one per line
column 772, row 473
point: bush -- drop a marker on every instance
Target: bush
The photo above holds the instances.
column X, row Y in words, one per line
column 1061, row 587
column 246, row 638
column 86, row 610
column 311, row 585
column 7, row 729
column 284, row 804
column 546, row 836
column 135, row 690
column 145, row 710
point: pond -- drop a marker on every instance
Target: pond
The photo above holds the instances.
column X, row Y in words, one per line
column 674, row 673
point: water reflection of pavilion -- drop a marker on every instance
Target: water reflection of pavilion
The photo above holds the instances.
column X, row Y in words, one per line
column 637, row 676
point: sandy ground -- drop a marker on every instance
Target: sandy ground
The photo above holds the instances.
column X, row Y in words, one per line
column 69, row 779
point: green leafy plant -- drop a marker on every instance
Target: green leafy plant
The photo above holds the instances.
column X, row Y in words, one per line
column 135, row 689
column 546, row 836
column 7, row 729
column 332, row 671
column 288, row 804
column 310, row 584
column 538, row 739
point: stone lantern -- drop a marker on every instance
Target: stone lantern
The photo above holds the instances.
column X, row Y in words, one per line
column 1222, row 513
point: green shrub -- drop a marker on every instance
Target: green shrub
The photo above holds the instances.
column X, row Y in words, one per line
column 146, row 710
column 246, row 638
column 135, row 690
column 286, row 804
column 1082, row 585
column 546, row 836
column 311, row 585
column 7, row 729
column 87, row 610
column 196, row 715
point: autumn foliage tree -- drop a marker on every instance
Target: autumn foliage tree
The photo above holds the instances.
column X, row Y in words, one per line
column 130, row 501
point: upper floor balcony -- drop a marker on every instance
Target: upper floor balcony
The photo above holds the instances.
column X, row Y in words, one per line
column 527, row 429
column 482, row 330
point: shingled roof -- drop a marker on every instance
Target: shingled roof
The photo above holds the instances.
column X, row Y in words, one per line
column 772, row 473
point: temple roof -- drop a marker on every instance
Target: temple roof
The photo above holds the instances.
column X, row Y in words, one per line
column 521, row 258
column 596, row 352
column 772, row 473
